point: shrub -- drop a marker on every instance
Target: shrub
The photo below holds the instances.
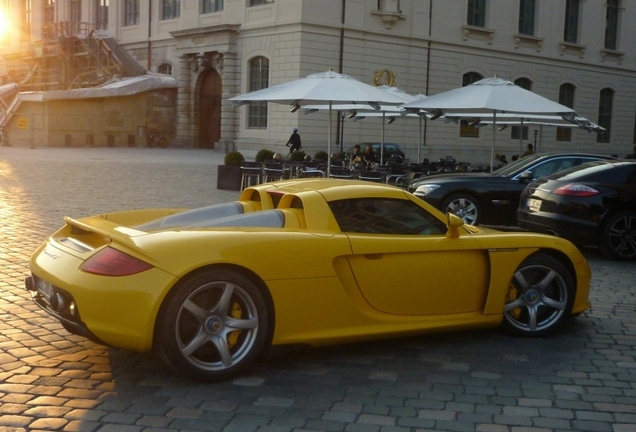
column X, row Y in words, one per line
column 264, row 155
column 297, row 156
column 234, row 158
column 321, row 155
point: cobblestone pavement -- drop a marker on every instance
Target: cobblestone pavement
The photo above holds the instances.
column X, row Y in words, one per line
column 583, row 379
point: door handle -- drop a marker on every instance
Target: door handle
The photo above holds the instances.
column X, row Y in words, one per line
column 375, row 256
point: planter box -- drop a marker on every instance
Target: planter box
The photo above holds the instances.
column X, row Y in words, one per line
column 229, row 177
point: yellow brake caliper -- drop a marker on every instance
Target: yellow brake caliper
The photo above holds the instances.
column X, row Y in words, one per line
column 513, row 294
column 237, row 313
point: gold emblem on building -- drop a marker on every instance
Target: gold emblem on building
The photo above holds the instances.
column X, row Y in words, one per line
column 385, row 77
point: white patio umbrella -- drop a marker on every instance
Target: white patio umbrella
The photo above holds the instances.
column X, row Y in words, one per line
column 515, row 119
column 494, row 96
column 330, row 87
column 359, row 111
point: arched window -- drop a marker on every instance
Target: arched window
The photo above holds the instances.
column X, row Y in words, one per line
column 605, row 103
column 566, row 97
column 525, row 84
column 465, row 129
column 259, row 79
column 165, row 68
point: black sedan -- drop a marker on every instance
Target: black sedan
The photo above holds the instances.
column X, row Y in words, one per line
column 493, row 198
column 590, row 205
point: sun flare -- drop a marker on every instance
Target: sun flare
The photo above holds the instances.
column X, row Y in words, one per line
column 4, row 23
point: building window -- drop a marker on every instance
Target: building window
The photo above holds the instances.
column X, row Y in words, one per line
column 257, row 2
column 525, row 84
column 476, row 13
column 76, row 15
column 165, row 68
column 170, row 9
column 131, row 12
column 526, row 17
column 48, row 24
column 26, row 19
column 259, row 79
column 571, row 27
column 465, row 129
column 566, row 97
column 605, row 115
column 611, row 24
column 101, row 18
column 389, row 6
column 211, row 6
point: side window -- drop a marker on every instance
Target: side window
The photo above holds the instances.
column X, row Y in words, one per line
column 385, row 216
column 552, row 166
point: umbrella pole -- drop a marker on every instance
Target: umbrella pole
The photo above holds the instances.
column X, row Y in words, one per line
column 329, row 143
column 492, row 149
column 382, row 143
column 521, row 138
column 419, row 146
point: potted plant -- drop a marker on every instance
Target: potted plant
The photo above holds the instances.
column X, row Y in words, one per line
column 229, row 174
column 264, row 155
column 297, row 156
column 321, row 155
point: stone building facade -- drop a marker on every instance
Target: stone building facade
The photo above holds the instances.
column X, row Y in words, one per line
column 581, row 53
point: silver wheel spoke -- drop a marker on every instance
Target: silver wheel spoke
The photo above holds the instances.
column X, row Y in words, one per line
column 546, row 281
column 555, row 304
column 241, row 324
column 224, row 350
column 519, row 277
column 195, row 343
column 514, row 305
column 200, row 313
column 532, row 318
column 224, row 304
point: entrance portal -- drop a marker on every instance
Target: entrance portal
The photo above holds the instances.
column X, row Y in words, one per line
column 210, row 109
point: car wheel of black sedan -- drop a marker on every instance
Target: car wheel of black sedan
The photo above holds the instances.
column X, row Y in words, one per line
column 618, row 238
column 540, row 297
column 213, row 325
column 465, row 206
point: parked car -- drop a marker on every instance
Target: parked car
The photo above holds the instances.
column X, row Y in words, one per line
column 593, row 204
column 492, row 198
column 390, row 150
column 310, row 262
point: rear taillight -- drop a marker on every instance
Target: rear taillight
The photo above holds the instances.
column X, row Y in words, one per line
column 574, row 189
column 111, row 262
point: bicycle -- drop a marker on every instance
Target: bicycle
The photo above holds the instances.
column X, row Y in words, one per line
column 156, row 140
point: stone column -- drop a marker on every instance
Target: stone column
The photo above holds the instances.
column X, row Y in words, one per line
column 230, row 76
column 184, row 103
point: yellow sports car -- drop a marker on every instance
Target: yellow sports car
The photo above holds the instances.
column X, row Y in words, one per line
column 314, row 261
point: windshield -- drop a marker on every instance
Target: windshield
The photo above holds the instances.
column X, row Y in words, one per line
column 515, row 166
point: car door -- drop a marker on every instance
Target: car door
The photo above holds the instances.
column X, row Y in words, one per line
column 403, row 262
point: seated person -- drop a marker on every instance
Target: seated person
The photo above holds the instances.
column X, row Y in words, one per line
column 368, row 156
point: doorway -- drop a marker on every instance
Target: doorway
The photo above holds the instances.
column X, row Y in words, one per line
column 210, row 109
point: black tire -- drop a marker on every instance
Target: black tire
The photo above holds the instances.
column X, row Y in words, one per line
column 465, row 206
column 162, row 143
column 213, row 326
column 618, row 237
column 540, row 297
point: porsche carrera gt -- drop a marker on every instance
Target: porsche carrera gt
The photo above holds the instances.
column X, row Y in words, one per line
column 312, row 262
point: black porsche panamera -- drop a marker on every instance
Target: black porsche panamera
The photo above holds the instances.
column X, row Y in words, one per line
column 593, row 204
column 493, row 198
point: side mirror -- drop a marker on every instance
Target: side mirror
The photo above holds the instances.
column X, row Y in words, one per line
column 453, row 223
column 526, row 177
